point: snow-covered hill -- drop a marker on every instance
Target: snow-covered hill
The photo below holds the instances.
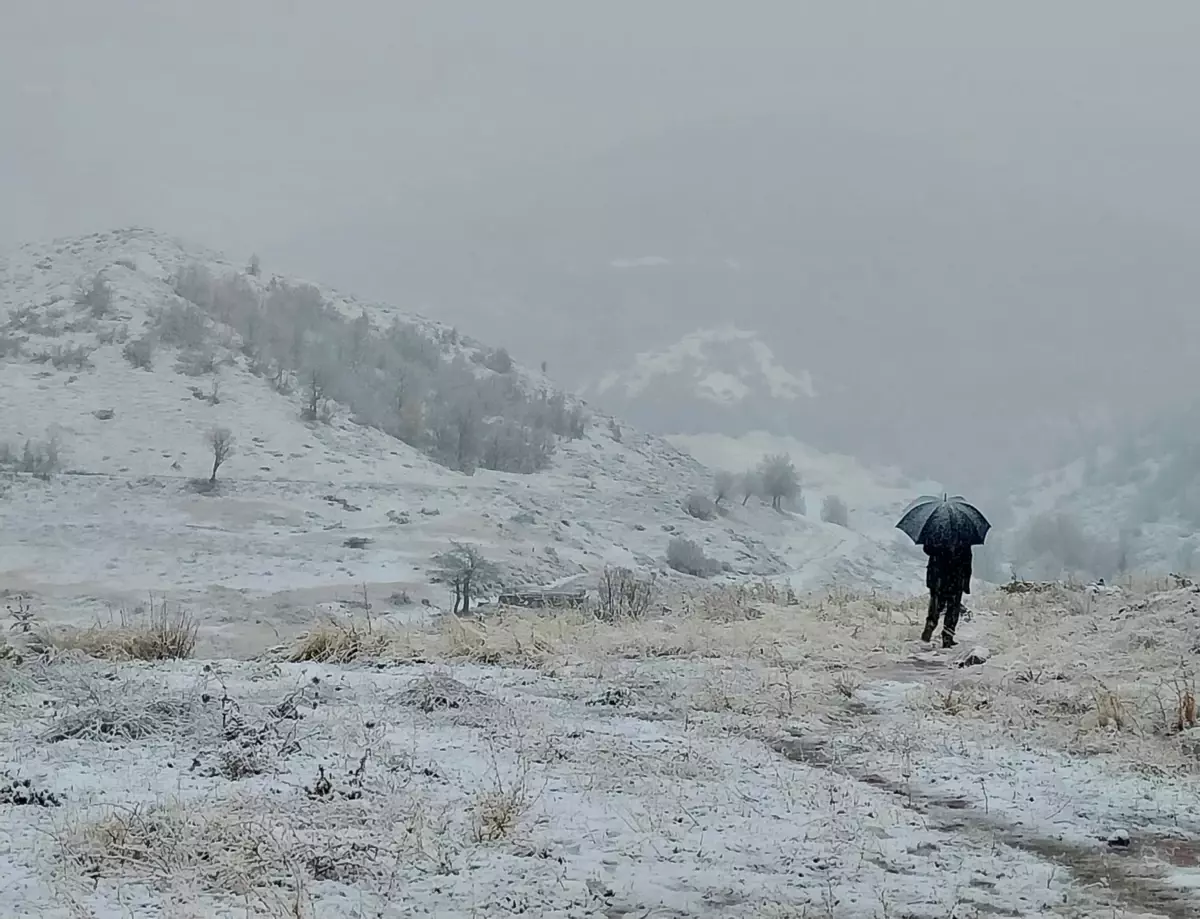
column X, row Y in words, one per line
column 1129, row 504
column 129, row 515
column 870, row 551
column 722, row 379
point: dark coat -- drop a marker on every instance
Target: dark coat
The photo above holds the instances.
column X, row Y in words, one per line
column 949, row 569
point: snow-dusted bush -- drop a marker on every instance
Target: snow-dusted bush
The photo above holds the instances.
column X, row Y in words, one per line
column 140, row 352
column 196, row 363
column 40, row 458
column 702, row 507
column 688, row 557
column 95, row 297
column 624, row 594
column 834, row 510
column 182, row 325
column 498, row 360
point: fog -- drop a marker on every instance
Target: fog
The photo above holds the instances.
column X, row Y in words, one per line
column 975, row 226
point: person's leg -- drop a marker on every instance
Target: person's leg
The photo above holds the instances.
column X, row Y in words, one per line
column 950, row 624
column 931, row 618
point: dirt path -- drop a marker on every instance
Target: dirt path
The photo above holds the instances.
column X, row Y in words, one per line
column 1133, row 875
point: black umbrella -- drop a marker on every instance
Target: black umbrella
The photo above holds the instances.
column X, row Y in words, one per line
column 944, row 523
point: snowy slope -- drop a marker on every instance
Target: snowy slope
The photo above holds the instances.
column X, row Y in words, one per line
column 1134, row 499
column 126, row 520
column 871, row 551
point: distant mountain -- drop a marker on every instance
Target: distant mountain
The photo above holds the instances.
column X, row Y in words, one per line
column 722, row 379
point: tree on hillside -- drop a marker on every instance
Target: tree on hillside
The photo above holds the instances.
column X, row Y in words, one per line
column 779, row 478
column 749, row 485
column 465, row 570
column 724, row 484
column 220, row 441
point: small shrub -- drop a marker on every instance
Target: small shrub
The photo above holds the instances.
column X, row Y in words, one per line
column 687, row 557
column 10, row 346
column 340, row 642
column 39, row 458
column 96, row 297
column 834, row 510
column 701, row 506
column 196, row 363
column 76, row 357
column 182, row 325
column 498, row 360
column 624, row 595
column 140, row 352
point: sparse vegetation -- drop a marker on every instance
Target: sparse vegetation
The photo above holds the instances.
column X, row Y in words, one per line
column 220, row 442
column 623, row 594
column 700, row 506
column 466, row 571
column 688, row 557
column 96, row 297
column 749, row 485
column 39, row 458
column 724, row 486
column 156, row 633
column 398, row 379
column 779, row 480
column 834, row 510
column 342, row 641
column 140, row 352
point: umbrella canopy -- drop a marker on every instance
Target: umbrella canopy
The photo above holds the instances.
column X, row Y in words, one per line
column 944, row 523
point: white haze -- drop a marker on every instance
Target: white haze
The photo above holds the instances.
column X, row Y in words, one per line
column 975, row 226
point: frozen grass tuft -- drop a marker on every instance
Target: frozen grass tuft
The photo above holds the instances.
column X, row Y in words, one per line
column 155, row 635
column 95, row 722
column 344, row 641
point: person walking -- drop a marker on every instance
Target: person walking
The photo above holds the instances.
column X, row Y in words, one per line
column 948, row 577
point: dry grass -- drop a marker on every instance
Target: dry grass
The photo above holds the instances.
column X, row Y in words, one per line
column 180, row 844
column 157, row 634
column 346, row 641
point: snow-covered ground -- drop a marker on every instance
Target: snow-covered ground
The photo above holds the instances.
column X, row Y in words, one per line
column 735, row 757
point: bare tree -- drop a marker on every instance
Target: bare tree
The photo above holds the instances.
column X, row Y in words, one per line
column 724, row 484
column 780, row 480
column 465, row 570
column 220, row 441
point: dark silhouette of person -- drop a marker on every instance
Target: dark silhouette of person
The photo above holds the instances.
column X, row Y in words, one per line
column 948, row 577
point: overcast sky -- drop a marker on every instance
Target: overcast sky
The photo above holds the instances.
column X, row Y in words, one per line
column 263, row 125
column 238, row 120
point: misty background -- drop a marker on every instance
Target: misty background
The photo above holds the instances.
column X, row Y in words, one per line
column 973, row 226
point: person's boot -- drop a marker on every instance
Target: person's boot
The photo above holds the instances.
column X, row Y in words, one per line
column 927, row 633
column 948, row 639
